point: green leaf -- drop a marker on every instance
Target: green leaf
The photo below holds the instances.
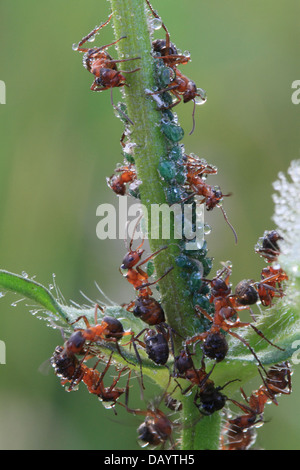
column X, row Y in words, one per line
column 62, row 315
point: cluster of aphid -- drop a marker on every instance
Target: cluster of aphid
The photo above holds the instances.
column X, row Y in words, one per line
column 213, row 300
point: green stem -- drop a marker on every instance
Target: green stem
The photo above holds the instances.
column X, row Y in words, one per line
column 130, row 20
column 204, row 434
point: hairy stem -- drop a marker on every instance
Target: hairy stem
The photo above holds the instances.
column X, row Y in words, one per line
column 130, row 20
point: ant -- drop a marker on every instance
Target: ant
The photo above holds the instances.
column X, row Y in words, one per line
column 180, row 86
column 248, row 292
column 236, row 437
column 268, row 246
column 157, row 342
column 208, row 398
column 196, row 171
column 271, row 276
column 110, row 329
column 117, row 182
column 146, row 307
column 92, row 378
column 225, row 319
column 65, row 364
column 98, row 62
column 277, row 381
column 157, row 428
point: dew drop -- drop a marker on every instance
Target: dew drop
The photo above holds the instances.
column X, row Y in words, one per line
column 156, row 23
column 75, row 47
column 207, row 229
column 201, row 97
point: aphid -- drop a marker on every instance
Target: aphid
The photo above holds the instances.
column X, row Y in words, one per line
column 98, row 62
column 268, row 246
column 181, row 86
column 224, row 320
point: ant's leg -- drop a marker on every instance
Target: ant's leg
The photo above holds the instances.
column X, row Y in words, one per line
column 83, row 317
column 91, row 34
column 244, row 408
column 209, row 317
column 162, row 24
column 97, row 306
column 235, row 335
column 117, row 109
column 151, row 256
column 154, row 282
column 266, row 339
column 239, row 324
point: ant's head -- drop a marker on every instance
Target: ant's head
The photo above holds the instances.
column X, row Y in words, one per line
column 219, row 288
column 191, row 91
column 75, row 343
column 131, row 258
column 214, row 199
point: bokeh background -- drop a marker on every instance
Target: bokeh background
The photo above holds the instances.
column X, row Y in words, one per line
column 58, row 143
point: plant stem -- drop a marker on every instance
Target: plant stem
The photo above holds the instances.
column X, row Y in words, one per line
column 130, row 20
column 205, row 434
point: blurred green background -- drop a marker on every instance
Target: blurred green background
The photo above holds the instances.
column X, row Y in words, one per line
column 58, row 143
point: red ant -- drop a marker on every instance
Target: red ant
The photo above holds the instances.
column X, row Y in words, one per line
column 180, row 85
column 98, row 62
column 157, row 428
column 117, row 182
column 248, row 292
column 110, row 329
column 226, row 308
column 271, row 276
column 65, row 364
column 157, row 342
column 146, row 307
column 212, row 195
column 268, row 246
column 92, row 378
column 238, row 430
column 234, row 437
column 210, row 397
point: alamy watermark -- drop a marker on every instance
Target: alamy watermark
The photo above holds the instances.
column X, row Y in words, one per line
column 2, row 92
column 2, row 352
column 186, row 222
column 296, row 93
